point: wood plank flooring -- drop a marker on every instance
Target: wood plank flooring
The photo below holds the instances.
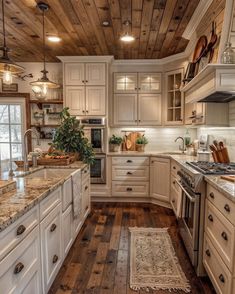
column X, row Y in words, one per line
column 98, row 261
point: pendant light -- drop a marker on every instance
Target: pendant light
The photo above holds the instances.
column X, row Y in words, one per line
column 41, row 86
column 7, row 67
column 127, row 37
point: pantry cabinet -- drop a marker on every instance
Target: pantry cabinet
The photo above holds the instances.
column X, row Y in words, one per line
column 160, row 179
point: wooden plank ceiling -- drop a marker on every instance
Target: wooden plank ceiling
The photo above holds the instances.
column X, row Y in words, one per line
column 157, row 25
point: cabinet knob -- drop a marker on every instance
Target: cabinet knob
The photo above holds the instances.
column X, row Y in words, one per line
column 20, row 230
column 129, row 189
column 135, row 88
column 129, row 161
column 86, row 81
column 139, row 88
column 86, row 187
column 83, row 81
column 210, row 217
column 86, row 111
column 208, row 252
column 174, row 167
column 83, row 111
column 129, row 173
column 173, row 201
column 224, row 236
column 18, row 268
column 55, row 258
column 53, row 227
column 139, row 120
column 221, row 277
column 212, row 195
column 174, row 182
column 227, row 207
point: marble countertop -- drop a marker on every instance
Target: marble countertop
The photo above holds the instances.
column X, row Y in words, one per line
column 30, row 190
column 227, row 188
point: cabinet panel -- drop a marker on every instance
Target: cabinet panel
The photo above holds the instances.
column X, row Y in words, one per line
column 86, row 196
column 75, row 100
column 125, row 82
column 67, row 230
column 95, row 100
column 132, row 189
column 149, row 109
column 67, row 194
column 149, row 82
column 49, row 203
column 133, row 173
column 95, row 74
column 74, row 74
column 130, row 161
column 160, row 178
column 125, row 109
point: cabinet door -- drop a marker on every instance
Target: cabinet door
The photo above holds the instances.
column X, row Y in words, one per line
column 51, row 246
column 149, row 109
column 74, row 74
column 66, row 194
column 125, row 83
column 125, row 109
column 95, row 74
column 95, row 100
column 160, row 179
column 67, row 230
column 149, row 82
column 75, row 100
column 86, row 202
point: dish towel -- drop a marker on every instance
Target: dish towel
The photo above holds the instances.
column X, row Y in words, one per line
column 77, row 193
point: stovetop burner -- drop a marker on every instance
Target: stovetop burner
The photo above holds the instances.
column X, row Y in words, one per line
column 212, row 168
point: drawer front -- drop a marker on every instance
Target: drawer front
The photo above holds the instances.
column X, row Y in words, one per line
column 221, row 232
column 140, row 189
column 130, row 160
column 224, row 205
column 50, row 202
column 67, row 234
column 66, row 194
column 17, row 268
column 174, row 168
column 85, row 173
column 16, row 232
column 50, row 230
column 216, row 269
column 132, row 173
column 86, row 202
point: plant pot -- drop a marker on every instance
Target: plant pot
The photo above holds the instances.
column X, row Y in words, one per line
column 140, row 147
column 114, row 147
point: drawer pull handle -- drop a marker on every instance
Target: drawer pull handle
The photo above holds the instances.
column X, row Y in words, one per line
column 20, row 230
column 212, row 195
column 129, row 173
column 53, row 227
column 174, row 167
column 129, row 161
column 210, row 217
column 173, row 201
column 227, row 208
column 224, row 236
column 18, row 268
column 174, row 182
column 55, row 258
column 208, row 252
column 221, row 277
column 86, row 188
column 129, row 189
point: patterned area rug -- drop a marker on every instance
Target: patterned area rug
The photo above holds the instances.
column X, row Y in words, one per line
column 153, row 263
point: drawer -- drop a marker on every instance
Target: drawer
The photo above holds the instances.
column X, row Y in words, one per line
column 16, row 232
column 224, row 205
column 130, row 160
column 86, row 201
column 131, row 173
column 85, row 173
column 139, row 189
column 217, row 271
column 174, row 168
column 221, row 233
column 67, row 194
column 50, row 202
column 18, row 267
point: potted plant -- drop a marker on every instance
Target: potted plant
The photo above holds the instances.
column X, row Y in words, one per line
column 115, row 143
column 69, row 137
column 140, row 143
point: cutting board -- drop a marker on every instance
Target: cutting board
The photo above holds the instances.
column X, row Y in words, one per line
column 129, row 142
column 228, row 178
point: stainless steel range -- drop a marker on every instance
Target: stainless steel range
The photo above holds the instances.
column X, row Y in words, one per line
column 212, row 168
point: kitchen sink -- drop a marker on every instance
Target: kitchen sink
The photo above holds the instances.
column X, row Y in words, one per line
column 49, row 173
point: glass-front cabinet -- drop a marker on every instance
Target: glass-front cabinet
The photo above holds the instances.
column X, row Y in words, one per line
column 149, row 82
column 125, row 82
column 174, row 98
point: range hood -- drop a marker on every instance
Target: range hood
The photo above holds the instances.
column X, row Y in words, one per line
column 215, row 83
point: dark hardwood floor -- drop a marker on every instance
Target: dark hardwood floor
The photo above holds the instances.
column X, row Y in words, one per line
column 98, row 261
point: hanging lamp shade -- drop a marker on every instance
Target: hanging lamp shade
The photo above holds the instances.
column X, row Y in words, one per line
column 41, row 85
column 7, row 66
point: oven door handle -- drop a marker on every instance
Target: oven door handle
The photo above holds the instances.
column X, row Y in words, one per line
column 187, row 194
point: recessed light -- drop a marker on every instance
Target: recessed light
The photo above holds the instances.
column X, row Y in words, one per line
column 54, row 39
column 105, row 23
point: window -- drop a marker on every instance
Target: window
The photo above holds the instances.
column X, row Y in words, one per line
column 11, row 132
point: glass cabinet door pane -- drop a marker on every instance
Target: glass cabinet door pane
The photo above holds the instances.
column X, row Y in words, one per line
column 125, row 82
column 149, row 82
column 155, row 86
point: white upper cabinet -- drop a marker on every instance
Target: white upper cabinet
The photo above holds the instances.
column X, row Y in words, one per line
column 125, row 82
column 95, row 74
column 75, row 100
column 95, row 100
column 74, row 74
column 125, row 109
column 149, row 109
column 149, row 82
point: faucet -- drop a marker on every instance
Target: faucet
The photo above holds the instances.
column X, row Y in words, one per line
column 26, row 162
column 182, row 148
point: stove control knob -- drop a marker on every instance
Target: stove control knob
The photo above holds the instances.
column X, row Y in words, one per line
column 192, row 185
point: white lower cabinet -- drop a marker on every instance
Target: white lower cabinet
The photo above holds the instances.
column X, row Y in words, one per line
column 67, row 194
column 51, row 246
column 86, row 196
column 67, row 230
column 160, row 178
column 20, row 270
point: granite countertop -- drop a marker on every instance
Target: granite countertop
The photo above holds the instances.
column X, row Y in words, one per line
column 227, row 188
column 30, row 190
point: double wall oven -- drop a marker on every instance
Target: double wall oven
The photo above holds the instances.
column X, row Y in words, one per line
column 95, row 131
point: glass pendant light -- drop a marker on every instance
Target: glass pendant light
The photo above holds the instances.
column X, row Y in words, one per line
column 41, row 86
column 127, row 37
column 7, row 67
